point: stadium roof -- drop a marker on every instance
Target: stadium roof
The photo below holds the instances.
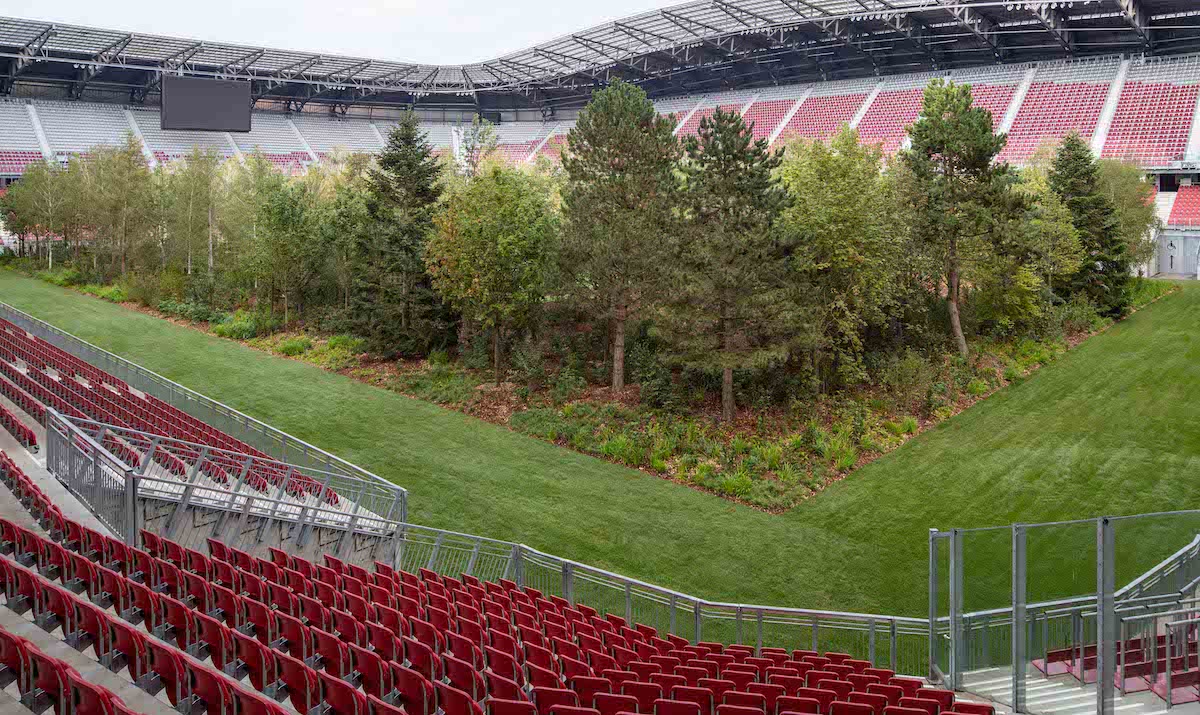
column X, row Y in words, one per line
column 696, row 46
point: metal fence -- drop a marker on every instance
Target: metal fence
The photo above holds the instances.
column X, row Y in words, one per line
column 1033, row 600
column 101, row 481
column 887, row 641
column 280, row 445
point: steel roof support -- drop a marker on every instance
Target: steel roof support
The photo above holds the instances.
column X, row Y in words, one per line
column 1138, row 20
column 977, row 24
column 100, row 59
column 1055, row 22
column 29, row 52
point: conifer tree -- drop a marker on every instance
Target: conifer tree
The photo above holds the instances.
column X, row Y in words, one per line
column 393, row 303
column 619, row 208
column 729, row 303
column 1103, row 275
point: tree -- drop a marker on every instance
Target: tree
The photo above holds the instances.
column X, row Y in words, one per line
column 619, row 207
column 960, row 197
column 494, row 249
column 1132, row 197
column 729, row 307
column 1103, row 275
column 291, row 253
column 121, row 197
column 479, row 142
column 841, row 225
column 393, row 304
column 191, row 221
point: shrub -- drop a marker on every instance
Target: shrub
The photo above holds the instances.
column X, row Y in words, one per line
column 738, row 484
column 1078, row 315
column 529, row 364
column 622, row 448
column 568, row 384
column 845, row 457
column 356, row 346
column 771, row 456
column 294, row 346
column 111, row 293
column 894, row 427
column 977, row 387
column 243, row 325
column 910, row 425
column 64, row 277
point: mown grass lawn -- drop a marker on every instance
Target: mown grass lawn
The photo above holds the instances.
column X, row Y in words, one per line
column 1113, row 427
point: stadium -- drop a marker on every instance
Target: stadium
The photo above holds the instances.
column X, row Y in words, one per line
column 192, row 527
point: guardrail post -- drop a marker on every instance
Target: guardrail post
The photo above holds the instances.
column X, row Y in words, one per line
column 131, row 523
column 1019, row 630
column 892, row 663
column 1106, row 646
column 696, row 632
column 568, row 585
column 957, row 635
column 671, row 615
column 518, row 566
column 758, row 646
column 185, row 499
column 814, row 635
column 737, row 622
column 628, row 603
column 871, row 641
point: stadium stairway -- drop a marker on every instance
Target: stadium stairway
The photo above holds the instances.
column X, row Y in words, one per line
column 1062, row 695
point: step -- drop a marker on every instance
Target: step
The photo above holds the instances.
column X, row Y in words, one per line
column 50, row 644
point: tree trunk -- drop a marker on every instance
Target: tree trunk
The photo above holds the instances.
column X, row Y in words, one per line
column 952, row 305
column 210, row 242
column 727, row 395
column 496, row 352
column 727, row 407
column 618, row 356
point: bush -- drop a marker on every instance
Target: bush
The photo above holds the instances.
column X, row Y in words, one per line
column 529, row 364
column 111, row 293
column 356, row 346
column 437, row 357
column 143, row 288
column 1078, row 315
column 910, row 425
column 568, row 384
column 243, row 325
column 738, row 484
column 977, row 387
column 64, row 277
column 294, row 346
column 1146, row 290
column 906, row 376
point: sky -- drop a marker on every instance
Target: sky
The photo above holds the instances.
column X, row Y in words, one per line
column 423, row 31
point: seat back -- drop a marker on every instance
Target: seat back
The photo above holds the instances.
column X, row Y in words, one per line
column 546, row 698
column 341, row 697
column 304, row 690
column 415, row 691
column 88, row 699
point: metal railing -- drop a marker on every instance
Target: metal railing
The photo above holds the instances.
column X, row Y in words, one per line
column 101, row 481
column 280, row 445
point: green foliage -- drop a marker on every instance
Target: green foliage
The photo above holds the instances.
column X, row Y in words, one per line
column 619, row 203
column 568, row 384
column 493, row 250
column 243, row 325
column 355, row 345
column 111, row 293
column 730, row 308
column 294, row 346
column 960, row 200
column 1104, row 276
column 194, row 312
column 1144, row 291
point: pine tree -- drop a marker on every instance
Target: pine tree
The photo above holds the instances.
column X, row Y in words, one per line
column 1103, row 275
column 729, row 304
column 961, row 199
column 619, row 207
column 393, row 304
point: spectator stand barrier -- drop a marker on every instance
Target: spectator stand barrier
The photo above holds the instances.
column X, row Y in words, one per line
column 280, row 445
column 1040, row 600
column 191, row 492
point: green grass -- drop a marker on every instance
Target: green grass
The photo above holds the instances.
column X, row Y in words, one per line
column 1108, row 428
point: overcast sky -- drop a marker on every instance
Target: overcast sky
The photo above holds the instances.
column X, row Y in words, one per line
column 427, row 31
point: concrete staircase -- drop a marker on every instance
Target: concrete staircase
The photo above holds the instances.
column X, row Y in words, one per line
column 1062, row 695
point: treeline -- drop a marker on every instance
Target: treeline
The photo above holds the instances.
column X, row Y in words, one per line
column 727, row 266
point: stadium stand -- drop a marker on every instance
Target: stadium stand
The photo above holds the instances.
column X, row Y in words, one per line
column 827, row 108
column 168, row 146
column 273, row 137
column 230, row 633
column 1151, row 124
column 19, row 145
column 33, row 369
column 73, row 128
column 1064, row 96
column 897, row 105
column 327, row 136
column 1155, row 112
column 726, row 101
column 1185, row 213
column 770, row 108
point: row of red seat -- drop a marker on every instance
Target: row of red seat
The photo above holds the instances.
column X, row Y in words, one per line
column 44, row 680
column 18, row 429
column 150, row 657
